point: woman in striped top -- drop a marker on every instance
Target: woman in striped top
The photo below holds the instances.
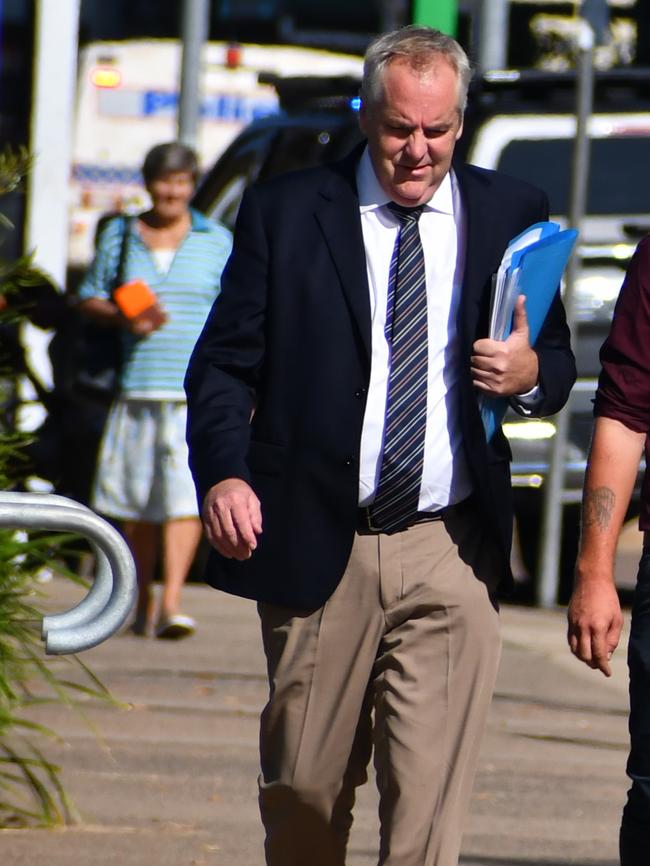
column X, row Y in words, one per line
column 142, row 477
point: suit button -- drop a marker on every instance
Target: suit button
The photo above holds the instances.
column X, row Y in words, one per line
column 360, row 393
column 350, row 461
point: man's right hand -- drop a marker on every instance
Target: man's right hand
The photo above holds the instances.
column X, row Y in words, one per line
column 595, row 619
column 595, row 622
column 232, row 518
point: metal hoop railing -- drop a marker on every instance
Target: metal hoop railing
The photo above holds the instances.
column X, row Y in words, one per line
column 107, row 605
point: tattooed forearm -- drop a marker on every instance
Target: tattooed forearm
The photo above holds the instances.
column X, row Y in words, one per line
column 597, row 507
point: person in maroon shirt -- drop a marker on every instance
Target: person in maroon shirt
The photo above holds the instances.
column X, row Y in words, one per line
column 621, row 433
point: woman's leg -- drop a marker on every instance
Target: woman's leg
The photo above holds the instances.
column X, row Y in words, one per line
column 180, row 539
column 142, row 538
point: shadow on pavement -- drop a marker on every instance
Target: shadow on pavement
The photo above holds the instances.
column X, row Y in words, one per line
column 524, row 861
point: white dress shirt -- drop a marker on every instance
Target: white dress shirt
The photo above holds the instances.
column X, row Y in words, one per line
column 445, row 477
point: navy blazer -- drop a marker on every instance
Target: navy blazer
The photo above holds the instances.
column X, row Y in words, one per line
column 288, row 343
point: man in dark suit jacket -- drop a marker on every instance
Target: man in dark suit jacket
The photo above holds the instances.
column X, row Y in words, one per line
column 346, row 481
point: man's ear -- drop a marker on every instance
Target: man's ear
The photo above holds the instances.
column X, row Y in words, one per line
column 363, row 119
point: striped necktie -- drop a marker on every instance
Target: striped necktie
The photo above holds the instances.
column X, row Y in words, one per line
column 400, row 476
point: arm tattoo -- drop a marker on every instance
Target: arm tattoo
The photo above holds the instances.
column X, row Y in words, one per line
column 597, row 507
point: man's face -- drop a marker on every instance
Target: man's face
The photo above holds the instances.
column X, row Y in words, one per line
column 412, row 129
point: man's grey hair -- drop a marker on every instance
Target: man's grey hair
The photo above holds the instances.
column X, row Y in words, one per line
column 420, row 46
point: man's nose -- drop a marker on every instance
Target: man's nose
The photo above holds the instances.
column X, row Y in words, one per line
column 416, row 145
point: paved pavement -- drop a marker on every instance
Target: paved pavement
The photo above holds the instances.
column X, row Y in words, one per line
column 169, row 779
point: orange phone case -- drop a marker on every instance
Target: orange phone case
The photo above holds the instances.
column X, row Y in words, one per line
column 133, row 298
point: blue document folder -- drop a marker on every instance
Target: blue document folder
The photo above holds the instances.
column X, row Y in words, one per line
column 535, row 272
column 503, row 297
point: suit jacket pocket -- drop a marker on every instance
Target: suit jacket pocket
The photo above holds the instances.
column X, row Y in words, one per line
column 265, row 458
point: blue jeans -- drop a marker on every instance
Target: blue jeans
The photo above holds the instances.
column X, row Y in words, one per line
column 635, row 826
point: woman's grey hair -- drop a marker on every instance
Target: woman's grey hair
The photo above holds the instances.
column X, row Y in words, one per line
column 419, row 46
column 171, row 157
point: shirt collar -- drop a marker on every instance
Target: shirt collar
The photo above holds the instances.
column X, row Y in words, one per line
column 200, row 222
column 372, row 195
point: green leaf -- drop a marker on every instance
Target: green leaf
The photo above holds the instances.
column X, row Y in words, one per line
column 31, row 789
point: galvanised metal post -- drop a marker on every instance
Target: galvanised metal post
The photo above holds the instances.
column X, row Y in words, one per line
column 196, row 15
column 552, row 517
column 99, row 593
column 493, row 34
column 114, row 589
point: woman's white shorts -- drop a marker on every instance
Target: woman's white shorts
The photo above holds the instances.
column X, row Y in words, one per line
column 142, row 471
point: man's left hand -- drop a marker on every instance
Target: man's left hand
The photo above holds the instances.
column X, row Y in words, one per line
column 504, row 368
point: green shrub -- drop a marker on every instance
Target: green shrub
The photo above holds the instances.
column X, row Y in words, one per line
column 31, row 791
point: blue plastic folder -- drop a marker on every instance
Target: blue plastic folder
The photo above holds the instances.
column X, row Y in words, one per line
column 503, row 298
column 534, row 271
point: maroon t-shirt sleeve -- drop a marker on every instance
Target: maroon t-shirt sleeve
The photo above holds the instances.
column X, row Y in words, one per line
column 624, row 384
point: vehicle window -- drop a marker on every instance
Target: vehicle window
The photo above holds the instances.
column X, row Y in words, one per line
column 619, row 180
column 297, row 148
column 221, row 191
column 263, row 153
column 344, row 140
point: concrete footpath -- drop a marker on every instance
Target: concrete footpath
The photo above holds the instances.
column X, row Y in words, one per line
column 170, row 778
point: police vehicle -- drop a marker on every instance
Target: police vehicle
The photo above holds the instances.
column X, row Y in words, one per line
column 127, row 102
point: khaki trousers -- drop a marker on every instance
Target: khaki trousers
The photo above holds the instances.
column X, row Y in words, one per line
column 411, row 634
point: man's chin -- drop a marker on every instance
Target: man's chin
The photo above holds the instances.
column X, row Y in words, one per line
column 412, row 194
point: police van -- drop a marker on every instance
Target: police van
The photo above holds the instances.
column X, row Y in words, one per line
column 127, row 101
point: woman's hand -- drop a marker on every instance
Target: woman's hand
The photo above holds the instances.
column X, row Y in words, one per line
column 147, row 321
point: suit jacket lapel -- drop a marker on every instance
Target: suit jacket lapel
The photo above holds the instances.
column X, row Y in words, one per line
column 482, row 252
column 338, row 217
